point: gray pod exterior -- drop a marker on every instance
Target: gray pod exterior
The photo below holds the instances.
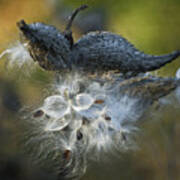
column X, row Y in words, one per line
column 46, row 45
column 148, row 88
column 97, row 51
column 106, row 51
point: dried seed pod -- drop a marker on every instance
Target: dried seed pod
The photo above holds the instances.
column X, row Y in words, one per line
column 105, row 51
column 148, row 88
column 97, row 51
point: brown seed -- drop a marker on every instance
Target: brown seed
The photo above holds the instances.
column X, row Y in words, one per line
column 85, row 120
column 79, row 135
column 47, row 116
column 67, row 154
column 123, row 136
column 38, row 113
column 107, row 118
column 99, row 101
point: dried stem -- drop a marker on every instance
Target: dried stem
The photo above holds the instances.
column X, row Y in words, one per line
column 74, row 14
column 68, row 32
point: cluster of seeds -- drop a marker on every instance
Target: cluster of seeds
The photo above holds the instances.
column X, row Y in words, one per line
column 81, row 117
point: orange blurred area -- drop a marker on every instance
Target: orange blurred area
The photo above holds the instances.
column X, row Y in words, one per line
column 12, row 11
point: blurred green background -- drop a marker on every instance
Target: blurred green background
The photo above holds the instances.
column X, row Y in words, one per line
column 152, row 26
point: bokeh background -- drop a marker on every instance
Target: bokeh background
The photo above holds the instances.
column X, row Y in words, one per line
column 152, row 26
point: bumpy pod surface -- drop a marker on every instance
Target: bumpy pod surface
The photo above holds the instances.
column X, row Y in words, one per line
column 106, row 51
column 97, row 51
